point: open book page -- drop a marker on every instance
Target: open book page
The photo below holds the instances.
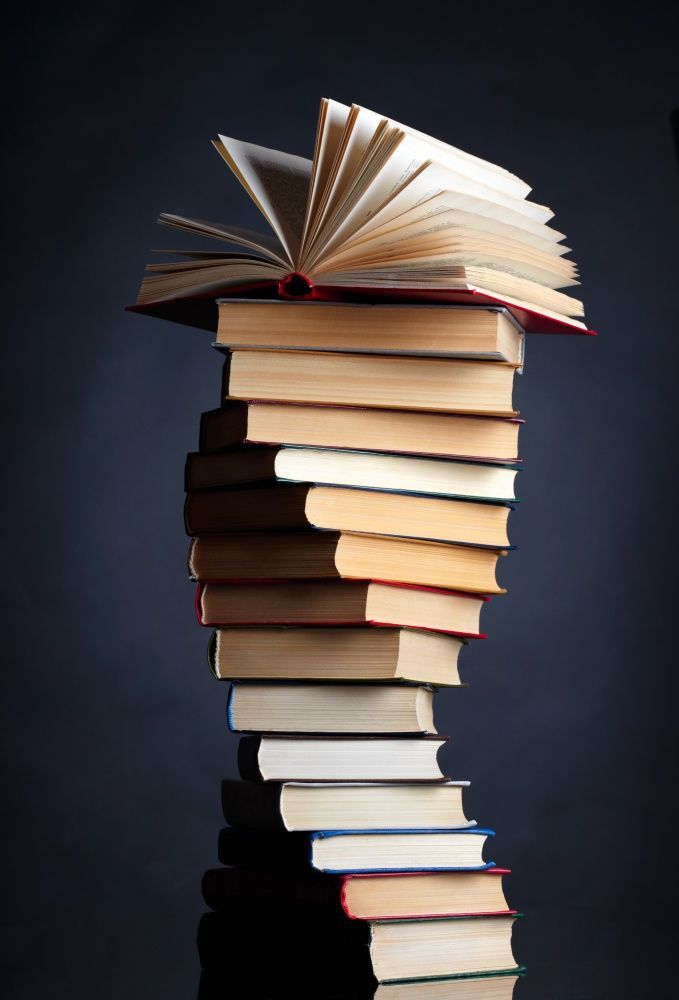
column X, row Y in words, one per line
column 377, row 176
column 198, row 261
column 438, row 177
column 363, row 130
column 483, row 171
column 546, row 268
column 332, row 123
column 408, row 173
column 441, row 274
column 462, row 255
column 187, row 278
column 277, row 182
column 400, row 211
column 267, row 245
column 422, row 219
column 459, row 161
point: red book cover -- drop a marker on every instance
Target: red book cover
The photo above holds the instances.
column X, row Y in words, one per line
column 280, row 892
column 201, row 310
column 346, row 879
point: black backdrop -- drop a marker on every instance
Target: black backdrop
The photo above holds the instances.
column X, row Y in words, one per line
column 114, row 731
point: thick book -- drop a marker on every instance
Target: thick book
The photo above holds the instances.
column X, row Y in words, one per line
column 347, row 950
column 238, row 465
column 282, row 707
column 344, row 805
column 381, row 208
column 264, row 507
column 406, row 432
column 322, row 554
column 339, row 602
column 444, row 331
column 342, row 852
column 280, row 652
column 399, row 473
column 368, row 758
column 399, row 896
column 482, row 388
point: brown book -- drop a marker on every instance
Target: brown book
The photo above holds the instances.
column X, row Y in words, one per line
column 335, row 654
column 327, row 709
column 338, row 602
column 292, row 505
column 436, row 384
column 247, row 464
column 302, row 555
column 223, row 427
column 448, row 331
column 246, row 508
column 409, row 432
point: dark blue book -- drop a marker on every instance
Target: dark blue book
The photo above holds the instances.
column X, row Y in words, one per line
column 341, row 852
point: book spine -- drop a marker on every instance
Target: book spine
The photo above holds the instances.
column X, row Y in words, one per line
column 223, row 427
column 188, row 527
column 248, row 758
column 263, row 849
column 296, row 950
column 247, row 804
column 226, row 376
column 260, row 507
column 281, row 892
column 212, row 664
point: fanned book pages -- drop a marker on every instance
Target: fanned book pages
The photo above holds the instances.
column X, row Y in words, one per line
column 381, row 211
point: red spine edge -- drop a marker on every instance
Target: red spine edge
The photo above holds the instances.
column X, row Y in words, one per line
column 296, row 286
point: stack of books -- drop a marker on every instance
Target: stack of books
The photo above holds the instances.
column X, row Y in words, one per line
column 348, row 508
column 344, row 574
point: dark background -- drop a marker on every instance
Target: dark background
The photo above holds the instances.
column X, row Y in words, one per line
column 114, row 731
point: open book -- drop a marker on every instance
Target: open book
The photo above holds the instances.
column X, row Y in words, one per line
column 383, row 211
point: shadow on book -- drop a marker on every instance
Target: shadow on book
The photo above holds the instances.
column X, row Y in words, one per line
column 255, row 956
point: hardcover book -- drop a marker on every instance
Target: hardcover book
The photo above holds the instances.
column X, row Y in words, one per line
column 345, row 851
column 396, row 896
column 405, row 432
column 339, row 602
column 383, row 210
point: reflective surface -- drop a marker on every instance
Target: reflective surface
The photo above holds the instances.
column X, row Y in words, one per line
column 570, row 955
